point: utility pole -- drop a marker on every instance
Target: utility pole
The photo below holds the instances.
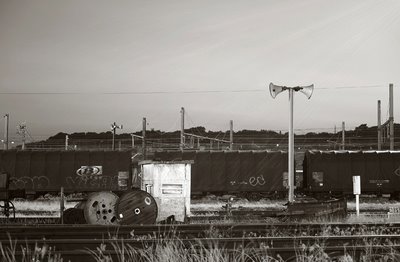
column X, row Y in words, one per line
column 391, row 118
column 144, row 138
column 379, row 126
column 274, row 91
column 231, row 135
column 66, row 142
column 182, row 143
column 343, row 136
column 6, row 116
column 114, row 126
column 22, row 132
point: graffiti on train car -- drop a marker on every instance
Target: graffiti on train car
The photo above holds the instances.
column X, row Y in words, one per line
column 91, row 178
column 92, row 182
column 33, row 183
column 89, row 171
column 253, row 181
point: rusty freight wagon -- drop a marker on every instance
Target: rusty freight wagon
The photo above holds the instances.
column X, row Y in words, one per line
column 234, row 171
column 36, row 172
column 332, row 171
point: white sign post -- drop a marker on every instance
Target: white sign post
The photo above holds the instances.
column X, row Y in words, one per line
column 357, row 192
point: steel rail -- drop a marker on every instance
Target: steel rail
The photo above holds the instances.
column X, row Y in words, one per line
column 191, row 230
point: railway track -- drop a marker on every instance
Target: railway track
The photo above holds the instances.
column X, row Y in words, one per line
column 73, row 242
column 195, row 230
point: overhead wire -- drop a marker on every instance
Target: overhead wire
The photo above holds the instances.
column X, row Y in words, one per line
column 174, row 92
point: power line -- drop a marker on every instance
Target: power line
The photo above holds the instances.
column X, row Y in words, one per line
column 173, row 92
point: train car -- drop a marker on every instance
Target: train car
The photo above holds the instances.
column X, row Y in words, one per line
column 234, row 171
column 332, row 171
column 36, row 172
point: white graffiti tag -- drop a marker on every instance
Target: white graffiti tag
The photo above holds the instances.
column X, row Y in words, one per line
column 253, row 181
column 257, row 181
column 25, row 182
column 89, row 171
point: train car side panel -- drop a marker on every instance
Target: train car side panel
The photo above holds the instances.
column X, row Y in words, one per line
column 201, row 170
column 232, row 171
column 76, row 171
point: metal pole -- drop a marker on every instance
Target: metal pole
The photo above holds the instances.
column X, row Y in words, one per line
column 113, row 137
column 23, row 140
column 62, row 205
column 66, row 142
column 379, row 126
column 144, row 138
column 391, row 118
column 22, row 132
column 231, row 135
column 291, row 149
column 358, row 205
column 133, row 141
column 182, row 143
column 343, row 135
column 6, row 116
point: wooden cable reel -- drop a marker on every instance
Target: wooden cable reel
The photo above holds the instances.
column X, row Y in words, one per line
column 137, row 207
column 100, row 208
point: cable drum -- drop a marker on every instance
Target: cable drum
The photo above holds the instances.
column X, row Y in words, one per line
column 100, row 208
column 137, row 207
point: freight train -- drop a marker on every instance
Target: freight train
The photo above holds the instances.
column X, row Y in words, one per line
column 111, row 174
column 38, row 172
column 265, row 172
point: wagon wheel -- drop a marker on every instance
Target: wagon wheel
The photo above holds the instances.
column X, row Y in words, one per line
column 100, row 208
column 137, row 207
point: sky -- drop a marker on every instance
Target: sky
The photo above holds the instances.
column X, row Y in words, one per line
column 78, row 66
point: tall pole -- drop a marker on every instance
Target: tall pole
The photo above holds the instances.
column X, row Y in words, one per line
column 231, row 136
column 182, row 143
column 391, row 118
column 379, row 126
column 291, row 149
column 307, row 91
column 343, row 135
column 22, row 131
column 113, row 136
column 6, row 116
column 144, row 138
column 66, row 142
column 114, row 126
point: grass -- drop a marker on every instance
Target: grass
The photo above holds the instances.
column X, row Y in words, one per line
column 38, row 254
column 176, row 251
column 171, row 249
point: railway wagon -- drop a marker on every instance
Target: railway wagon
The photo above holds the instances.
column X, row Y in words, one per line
column 233, row 171
column 332, row 171
column 35, row 172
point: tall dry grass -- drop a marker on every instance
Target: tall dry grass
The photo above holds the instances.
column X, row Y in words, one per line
column 43, row 253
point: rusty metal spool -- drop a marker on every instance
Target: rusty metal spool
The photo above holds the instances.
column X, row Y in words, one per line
column 100, row 208
column 137, row 207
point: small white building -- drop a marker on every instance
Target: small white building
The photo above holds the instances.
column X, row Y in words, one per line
column 169, row 183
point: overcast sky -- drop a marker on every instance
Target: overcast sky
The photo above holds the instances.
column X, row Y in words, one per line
column 96, row 62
